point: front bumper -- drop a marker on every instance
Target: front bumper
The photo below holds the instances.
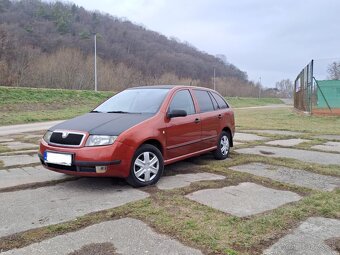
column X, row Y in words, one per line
column 115, row 159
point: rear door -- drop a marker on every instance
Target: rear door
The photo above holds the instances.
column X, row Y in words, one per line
column 183, row 133
column 225, row 114
column 210, row 125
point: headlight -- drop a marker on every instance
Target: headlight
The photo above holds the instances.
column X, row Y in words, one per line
column 99, row 140
column 47, row 136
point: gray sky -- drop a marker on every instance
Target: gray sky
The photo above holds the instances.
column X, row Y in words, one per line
column 270, row 39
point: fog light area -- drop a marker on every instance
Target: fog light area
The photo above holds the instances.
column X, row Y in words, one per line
column 101, row 169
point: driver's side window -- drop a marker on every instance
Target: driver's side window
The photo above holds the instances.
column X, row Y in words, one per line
column 182, row 101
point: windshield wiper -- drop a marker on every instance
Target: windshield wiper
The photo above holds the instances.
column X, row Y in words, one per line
column 117, row 112
column 96, row 111
column 124, row 112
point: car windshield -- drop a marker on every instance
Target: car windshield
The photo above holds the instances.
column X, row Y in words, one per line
column 142, row 100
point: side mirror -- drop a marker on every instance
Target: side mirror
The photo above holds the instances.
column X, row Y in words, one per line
column 176, row 113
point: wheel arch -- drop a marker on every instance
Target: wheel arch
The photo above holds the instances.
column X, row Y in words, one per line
column 227, row 129
column 155, row 143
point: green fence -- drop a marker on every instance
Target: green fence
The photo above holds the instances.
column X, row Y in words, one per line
column 329, row 90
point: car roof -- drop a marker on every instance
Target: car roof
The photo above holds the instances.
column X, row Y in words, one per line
column 169, row 87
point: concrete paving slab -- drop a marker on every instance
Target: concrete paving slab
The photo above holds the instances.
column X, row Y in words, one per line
column 127, row 236
column 237, row 143
column 33, row 137
column 287, row 142
column 28, row 175
column 16, row 160
column 308, row 239
column 27, row 209
column 329, row 137
column 245, row 199
column 292, row 176
column 302, row 155
column 329, row 146
column 4, row 140
column 20, row 145
column 183, row 180
column 244, row 137
column 275, row 132
column 18, row 152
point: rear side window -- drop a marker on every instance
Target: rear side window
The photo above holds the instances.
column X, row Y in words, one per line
column 204, row 101
column 182, row 101
column 220, row 101
column 214, row 101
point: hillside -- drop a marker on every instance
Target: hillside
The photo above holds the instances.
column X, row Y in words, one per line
column 51, row 45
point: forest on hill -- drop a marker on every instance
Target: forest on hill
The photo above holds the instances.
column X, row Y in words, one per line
column 50, row 44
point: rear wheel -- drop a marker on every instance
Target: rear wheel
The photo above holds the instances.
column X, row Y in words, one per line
column 146, row 167
column 223, row 146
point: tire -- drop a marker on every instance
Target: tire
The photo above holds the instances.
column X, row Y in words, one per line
column 142, row 172
column 223, row 146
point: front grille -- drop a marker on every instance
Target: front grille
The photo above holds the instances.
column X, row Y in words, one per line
column 72, row 139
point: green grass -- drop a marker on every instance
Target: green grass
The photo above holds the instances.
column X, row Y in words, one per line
column 24, row 105
column 285, row 119
column 9, row 95
column 237, row 102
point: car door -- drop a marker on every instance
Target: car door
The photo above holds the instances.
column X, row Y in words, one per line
column 183, row 134
column 225, row 114
column 209, row 119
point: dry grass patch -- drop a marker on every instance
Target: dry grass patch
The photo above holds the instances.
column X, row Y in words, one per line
column 285, row 119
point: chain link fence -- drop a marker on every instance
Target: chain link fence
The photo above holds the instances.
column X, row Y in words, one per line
column 317, row 88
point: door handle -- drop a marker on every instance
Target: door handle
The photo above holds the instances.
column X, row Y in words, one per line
column 219, row 116
column 197, row 120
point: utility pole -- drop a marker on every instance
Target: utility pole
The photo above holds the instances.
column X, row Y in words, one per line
column 214, row 79
column 259, row 87
column 95, row 63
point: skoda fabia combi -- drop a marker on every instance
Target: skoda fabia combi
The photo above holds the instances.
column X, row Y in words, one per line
column 135, row 133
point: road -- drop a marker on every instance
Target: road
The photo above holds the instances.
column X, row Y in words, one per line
column 32, row 127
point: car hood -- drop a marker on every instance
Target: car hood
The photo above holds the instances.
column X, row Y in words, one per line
column 103, row 123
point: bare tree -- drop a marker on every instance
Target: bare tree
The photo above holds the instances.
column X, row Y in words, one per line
column 334, row 71
column 285, row 88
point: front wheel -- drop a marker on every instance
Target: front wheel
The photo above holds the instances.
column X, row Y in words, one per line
column 223, row 146
column 146, row 166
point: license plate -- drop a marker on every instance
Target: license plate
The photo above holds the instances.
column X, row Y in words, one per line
column 58, row 158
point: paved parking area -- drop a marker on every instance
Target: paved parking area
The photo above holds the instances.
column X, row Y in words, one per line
column 13, row 177
column 329, row 146
column 245, row 199
column 276, row 132
column 287, row 142
column 61, row 199
column 292, row 176
column 142, row 238
column 245, row 137
column 17, row 160
column 44, row 206
column 183, row 180
column 329, row 137
column 19, row 145
column 308, row 239
column 302, row 155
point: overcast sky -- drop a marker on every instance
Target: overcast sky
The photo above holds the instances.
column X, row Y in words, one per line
column 270, row 39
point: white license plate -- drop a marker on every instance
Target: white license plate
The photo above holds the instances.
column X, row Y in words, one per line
column 58, row 158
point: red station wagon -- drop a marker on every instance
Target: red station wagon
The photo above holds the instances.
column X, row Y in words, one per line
column 135, row 133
